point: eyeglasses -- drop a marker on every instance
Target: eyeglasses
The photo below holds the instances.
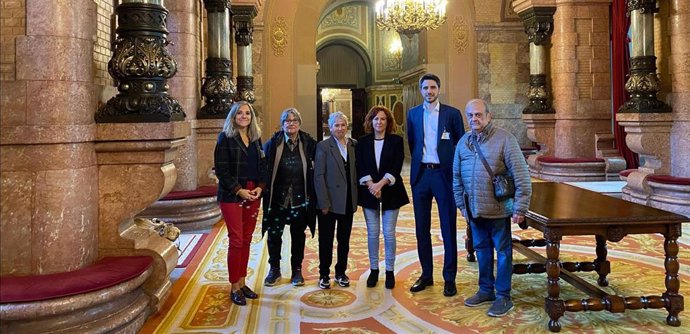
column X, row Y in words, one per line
column 291, row 121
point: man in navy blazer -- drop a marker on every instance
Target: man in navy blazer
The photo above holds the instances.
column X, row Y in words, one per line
column 433, row 130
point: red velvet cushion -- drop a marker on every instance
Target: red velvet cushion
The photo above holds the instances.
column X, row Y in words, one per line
column 107, row 272
column 668, row 179
column 546, row 159
column 203, row 191
column 626, row 172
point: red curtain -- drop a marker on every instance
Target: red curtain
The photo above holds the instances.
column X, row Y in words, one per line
column 620, row 60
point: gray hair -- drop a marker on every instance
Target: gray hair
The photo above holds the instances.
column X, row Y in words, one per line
column 334, row 117
column 290, row 111
column 253, row 130
column 477, row 101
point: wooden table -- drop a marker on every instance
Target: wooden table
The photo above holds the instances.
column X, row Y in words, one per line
column 560, row 210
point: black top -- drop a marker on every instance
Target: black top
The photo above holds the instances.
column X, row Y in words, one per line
column 392, row 156
column 253, row 156
column 288, row 186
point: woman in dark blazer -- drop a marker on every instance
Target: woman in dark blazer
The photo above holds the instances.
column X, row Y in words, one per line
column 239, row 164
column 335, row 182
column 380, row 156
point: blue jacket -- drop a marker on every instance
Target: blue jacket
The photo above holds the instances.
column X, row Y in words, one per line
column 450, row 120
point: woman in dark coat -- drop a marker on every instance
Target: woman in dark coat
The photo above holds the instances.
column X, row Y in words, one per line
column 289, row 196
column 380, row 156
column 239, row 164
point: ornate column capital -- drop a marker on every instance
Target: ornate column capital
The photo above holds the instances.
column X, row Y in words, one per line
column 242, row 18
column 142, row 65
column 538, row 23
column 644, row 6
column 213, row 6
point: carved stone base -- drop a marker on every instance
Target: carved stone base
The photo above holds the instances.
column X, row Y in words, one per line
column 186, row 214
column 669, row 196
column 122, row 308
column 570, row 171
column 636, row 190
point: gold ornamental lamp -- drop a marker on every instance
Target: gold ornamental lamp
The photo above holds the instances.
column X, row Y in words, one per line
column 409, row 17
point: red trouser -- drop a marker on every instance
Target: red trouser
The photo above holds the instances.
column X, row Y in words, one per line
column 240, row 219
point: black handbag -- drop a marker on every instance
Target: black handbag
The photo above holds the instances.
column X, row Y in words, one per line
column 504, row 185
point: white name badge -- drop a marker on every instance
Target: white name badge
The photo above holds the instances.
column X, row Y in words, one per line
column 445, row 135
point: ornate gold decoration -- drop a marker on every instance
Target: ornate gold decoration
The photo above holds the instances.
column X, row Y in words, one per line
column 410, row 17
column 343, row 16
column 141, row 64
column 538, row 23
column 217, row 88
column 643, row 85
column 538, row 96
column 245, row 89
column 461, row 35
column 644, row 6
column 279, row 36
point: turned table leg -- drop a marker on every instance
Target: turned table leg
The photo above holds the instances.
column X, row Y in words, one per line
column 674, row 301
column 555, row 307
column 603, row 266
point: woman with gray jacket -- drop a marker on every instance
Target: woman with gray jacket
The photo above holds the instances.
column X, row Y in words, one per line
column 335, row 183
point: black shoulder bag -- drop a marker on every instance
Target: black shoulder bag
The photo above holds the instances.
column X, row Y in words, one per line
column 504, row 185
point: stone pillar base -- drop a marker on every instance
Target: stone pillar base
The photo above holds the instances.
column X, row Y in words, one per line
column 122, row 308
column 571, row 170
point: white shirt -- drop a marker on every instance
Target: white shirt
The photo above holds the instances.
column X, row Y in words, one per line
column 429, row 153
column 342, row 148
column 378, row 147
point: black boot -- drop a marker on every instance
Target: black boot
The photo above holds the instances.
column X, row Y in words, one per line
column 390, row 279
column 373, row 278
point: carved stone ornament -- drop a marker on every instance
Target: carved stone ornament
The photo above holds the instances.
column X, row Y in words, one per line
column 538, row 96
column 279, row 36
column 242, row 17
column 461, row 35
column 538, row 23
column 141, row 64
column 245, row 89
column 644, row 6
column 216, row 6
column 643, row 85
column 217, row 88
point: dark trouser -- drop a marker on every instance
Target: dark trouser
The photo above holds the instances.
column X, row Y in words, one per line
column 327, row 228
column 297, row 219
column 432, row 183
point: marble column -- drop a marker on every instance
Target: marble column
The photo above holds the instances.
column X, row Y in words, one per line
column 539, row 115
column 243, row 16
column 141, row 64
column 643, row 83
column 679, row 34
column 137, row 138
column 581, row 81
column 538, row 26
column 49, row 177
column 183, row 25
column 217, row 87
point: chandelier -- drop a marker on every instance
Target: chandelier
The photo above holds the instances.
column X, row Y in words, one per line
column 409, row 17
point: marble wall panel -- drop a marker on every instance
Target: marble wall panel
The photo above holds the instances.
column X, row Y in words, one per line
column 12, row 103
column 574, row 138
column 64, row 221
column 64, row 18
column 54, row 58
column 60, row 102
column 16, row 191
